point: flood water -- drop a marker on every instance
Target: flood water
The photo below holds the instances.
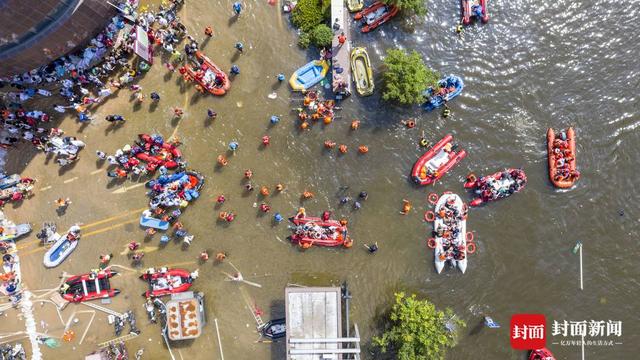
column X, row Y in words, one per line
column 535, row 65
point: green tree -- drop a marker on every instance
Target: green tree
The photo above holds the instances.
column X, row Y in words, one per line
column 304, row 40
column 406, row 77
column 307, row 14
column 409, row 6
column 418, row 331
column 321, row 36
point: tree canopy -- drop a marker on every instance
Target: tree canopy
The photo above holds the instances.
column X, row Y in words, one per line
column 307, row 14
column 418, row 331
column 409, row 6
column 321, row 36
column 406, row 77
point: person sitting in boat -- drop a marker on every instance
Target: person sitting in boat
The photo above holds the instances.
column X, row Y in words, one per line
column 64, row 288
column 160, row 284
column 77, row 295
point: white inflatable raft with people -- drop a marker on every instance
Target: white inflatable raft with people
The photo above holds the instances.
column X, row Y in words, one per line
column 62, row 247
column 449, row 243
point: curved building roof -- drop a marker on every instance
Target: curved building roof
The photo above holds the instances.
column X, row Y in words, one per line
column 35, row 32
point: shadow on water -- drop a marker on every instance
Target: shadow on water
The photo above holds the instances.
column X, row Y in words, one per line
column 277, row 311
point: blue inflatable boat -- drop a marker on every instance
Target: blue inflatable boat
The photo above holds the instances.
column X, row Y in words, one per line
column 309, row 75
column 9, row 181
column 450, row 87
column 146, row 220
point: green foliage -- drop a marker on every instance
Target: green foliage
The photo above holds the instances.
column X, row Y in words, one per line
column 304, row 40
column 307, row 14
column 326, row 9
column 321, row 36
column 418, row 330
column 409, row 6
column 406, row 77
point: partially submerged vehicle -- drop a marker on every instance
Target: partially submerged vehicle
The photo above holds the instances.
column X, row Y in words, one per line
column 274, row 329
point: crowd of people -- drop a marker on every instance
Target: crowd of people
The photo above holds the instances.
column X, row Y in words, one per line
column 501, row 185
column 564, row 158
column 449, row 230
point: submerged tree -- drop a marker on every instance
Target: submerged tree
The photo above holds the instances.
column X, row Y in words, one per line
column 416, row 7
column 307, row 14
column 406, row 77
column 321, row 36
column 418, row 331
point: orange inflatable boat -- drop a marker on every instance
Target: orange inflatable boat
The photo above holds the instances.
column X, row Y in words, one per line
column 561, row 149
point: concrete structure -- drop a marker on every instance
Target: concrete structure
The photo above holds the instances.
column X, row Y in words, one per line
column 314, row 325
column 34, row 32
column 341, row 65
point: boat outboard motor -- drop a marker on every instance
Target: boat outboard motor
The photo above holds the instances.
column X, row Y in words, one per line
column 151, row 311
column 119, row 325
column 131, row 318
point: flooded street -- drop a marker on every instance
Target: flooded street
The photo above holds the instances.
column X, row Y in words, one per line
column 533, row 66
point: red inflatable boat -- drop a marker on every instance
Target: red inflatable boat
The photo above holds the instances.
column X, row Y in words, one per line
column 436, row 162
column 166, row 281
column 468, row 10
column 562, row 158
column 208, row 76
column 309, row 231
column 90, row 286
column 541, row 354
column 375, row 15
column 496, row 186
column 167, row 157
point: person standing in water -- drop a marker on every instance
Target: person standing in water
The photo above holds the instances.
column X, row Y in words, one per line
column 372, row 248
column 237, row 8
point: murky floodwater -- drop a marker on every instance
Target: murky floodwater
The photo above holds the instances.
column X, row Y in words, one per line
column 535, row 65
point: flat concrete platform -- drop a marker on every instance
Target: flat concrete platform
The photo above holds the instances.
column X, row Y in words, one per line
column 312, row 313
column 341, row 66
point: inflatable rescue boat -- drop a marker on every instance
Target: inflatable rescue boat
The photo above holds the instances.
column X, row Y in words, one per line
column 433, row 164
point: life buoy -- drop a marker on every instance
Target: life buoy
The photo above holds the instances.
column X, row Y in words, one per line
column 68, row 335
column 469, row 236
column 471, row 248
column 433, row 198
column 424, row 142
column 431, row 243
column 429, row 216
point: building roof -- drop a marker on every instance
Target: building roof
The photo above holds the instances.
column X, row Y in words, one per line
column 313, row 313
column 35, row 32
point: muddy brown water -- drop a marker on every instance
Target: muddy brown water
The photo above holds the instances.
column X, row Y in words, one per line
column 535, row 65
